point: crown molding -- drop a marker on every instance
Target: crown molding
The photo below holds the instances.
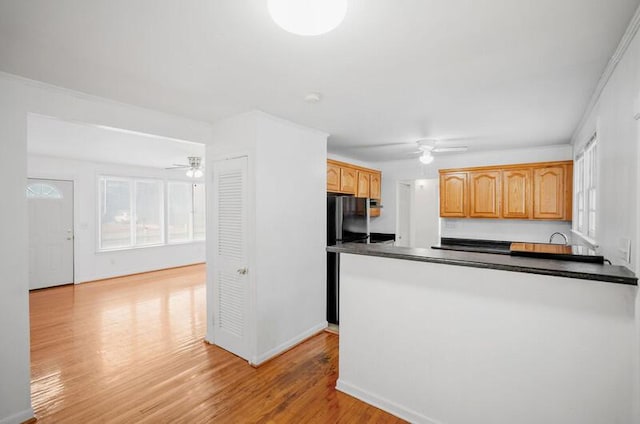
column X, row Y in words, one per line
column 617, row 56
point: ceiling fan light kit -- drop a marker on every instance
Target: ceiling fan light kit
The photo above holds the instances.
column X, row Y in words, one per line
column 307, row 17
column 426, row 158
column 195, row 167
column 194, row 173
column 429, row 147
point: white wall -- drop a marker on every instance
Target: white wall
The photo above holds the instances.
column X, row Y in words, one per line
column 613, row 117
column 18, row 98
column 15, row 402
column 618, row 176
column 287, row 228
column 469, row 345
column 506, row 229
column 395, row 171
column 291, row 234
column 89, row 264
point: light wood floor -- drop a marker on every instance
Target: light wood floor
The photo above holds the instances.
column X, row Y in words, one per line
column 131, row 350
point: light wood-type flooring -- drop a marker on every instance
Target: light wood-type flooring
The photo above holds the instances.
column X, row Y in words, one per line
column 131, row 350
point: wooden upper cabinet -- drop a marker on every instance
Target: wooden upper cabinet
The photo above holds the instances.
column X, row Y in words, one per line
column 516, row 193
column 333, row 178
column 484, row 194
column 549, row 192
column 375, row 186
column 523, row 191
column 348, row 180
column 364, row 179
column 453, row 195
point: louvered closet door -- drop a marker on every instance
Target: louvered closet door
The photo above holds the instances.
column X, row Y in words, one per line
column 231, row 282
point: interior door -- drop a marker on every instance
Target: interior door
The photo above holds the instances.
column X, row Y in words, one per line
column 50, row 232
column 230, row 272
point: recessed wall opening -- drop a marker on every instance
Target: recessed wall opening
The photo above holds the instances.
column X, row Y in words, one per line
column 133, row 210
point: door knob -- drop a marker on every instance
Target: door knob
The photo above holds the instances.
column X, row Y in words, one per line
column 242, row 271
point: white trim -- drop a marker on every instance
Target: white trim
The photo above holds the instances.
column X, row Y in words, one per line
column 592, row 243
column 630, row 32
column 257, row 360
column 384, row 404
column 18, row 418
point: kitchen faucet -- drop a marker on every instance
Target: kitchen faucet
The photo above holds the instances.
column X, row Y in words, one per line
column 564, row 236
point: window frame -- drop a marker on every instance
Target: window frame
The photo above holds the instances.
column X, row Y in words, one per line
column 586, row 192
column 132, row 182
column 191, row 238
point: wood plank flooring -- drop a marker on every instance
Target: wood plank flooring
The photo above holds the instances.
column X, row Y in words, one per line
column 131, row 350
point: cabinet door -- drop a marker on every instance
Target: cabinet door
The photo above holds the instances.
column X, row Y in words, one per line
column 348, row 180
column 333, row 178
column 363, row 184
column 375, row 187
column 516, row 193
column 453, row 195
column 484, row 194
column 548, row 192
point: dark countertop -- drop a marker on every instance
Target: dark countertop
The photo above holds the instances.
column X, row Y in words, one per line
column 558, row 268
column 474, row 245
column 556, row 251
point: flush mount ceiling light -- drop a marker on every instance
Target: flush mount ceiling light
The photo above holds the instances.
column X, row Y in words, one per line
column 307, row 17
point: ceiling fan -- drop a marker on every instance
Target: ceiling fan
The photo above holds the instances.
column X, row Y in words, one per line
column 427, row 148
column 194, row 168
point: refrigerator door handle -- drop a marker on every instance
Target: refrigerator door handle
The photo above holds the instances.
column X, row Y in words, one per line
column 339, row 217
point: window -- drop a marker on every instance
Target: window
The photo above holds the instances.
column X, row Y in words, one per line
column 179, row 212
column 586, row 181
column 131, row 213
column 149, row 209
column 186, row 212
column 42, row 191
column 199, row 213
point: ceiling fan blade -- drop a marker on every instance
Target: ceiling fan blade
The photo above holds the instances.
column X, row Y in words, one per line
column 379, row 146
column 451, row 149
column 177, row 166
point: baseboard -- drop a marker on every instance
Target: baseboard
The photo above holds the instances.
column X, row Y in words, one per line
column 134, row 273
column 209, row 339
column 283, row 347
column 384, row 404
column 18, row 418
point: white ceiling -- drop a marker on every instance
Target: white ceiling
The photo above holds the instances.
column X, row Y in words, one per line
column 53, row 137
column 493, row 73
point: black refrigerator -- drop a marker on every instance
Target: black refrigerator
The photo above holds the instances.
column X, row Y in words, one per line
column 347, row 221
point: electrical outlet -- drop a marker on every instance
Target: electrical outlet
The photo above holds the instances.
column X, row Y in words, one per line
column 450, row 224
column 624, row 249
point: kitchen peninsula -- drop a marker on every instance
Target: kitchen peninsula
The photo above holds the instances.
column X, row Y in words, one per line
column 438, row 336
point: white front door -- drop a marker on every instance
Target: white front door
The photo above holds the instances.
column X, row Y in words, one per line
column 50, row 232
column 230, row 272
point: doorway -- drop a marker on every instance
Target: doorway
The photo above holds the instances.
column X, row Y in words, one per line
column 51, row 235
column 403, row 225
